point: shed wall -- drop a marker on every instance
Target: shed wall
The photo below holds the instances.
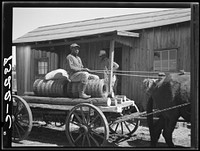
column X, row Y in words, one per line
column 136, row 58
column 140, row 57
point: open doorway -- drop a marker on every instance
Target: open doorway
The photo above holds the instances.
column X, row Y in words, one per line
column 118, row 59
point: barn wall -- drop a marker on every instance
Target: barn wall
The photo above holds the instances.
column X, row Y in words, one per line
column 137, row 58
column 141, row 56
column 26, row 66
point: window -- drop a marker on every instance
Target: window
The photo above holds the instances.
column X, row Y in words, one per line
column 165, row 60
column 42, row 66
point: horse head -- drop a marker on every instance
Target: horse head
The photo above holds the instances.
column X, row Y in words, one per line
column 149, row 85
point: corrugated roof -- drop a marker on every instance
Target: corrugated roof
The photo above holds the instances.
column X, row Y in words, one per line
column 102, row 25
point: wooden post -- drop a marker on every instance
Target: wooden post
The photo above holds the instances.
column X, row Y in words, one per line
column 27, row 59
column 111, row 57
column 194, row 75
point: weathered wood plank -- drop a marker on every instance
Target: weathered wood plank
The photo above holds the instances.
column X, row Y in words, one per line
column 111, row 57
column 67, row 101
column 27, row 59
column 32, row 73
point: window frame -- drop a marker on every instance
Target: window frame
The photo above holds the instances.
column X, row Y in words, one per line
column 45, row 60
column 161, row 51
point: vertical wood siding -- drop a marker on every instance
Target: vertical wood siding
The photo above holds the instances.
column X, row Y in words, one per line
column 23, row 64
column 137, row 58
column 141, row 57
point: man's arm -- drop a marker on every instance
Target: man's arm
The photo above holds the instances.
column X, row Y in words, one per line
column 73, row 66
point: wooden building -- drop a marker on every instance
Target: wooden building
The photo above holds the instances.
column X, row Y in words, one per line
column 150, row 42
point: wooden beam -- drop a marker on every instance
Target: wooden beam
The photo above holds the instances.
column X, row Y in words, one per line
column 27, row 53
column 127, row 34
column 70, row 42
column 125, row 41
column 67, row 101
column 194, row 75
column 112, row 46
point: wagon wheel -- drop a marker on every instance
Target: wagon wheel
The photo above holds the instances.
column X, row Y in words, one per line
column 22, row 119
column 127, row 127
column 86, row 125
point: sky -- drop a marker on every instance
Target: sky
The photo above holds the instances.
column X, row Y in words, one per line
column 28, row 19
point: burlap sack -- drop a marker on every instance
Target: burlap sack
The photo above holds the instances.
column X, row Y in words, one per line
column 57, row 74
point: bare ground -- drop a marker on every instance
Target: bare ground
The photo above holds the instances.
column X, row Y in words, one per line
column 51, row 136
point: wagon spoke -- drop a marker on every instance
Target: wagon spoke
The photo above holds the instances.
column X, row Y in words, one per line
column 78, row 138
column 127, row 126
column 88, row 139
column 97, row 134
column 84, row 120
column 17, row 131
column 122, row 127
column 91, row 124
column 95, row 141
column 14, row 132
column 19, row 110
column 14, row 111
column 78, row 118
column 116, row 127
column 94, row 120
column 77, row 124
column 88, row 116
column 25, row 116
column 24, row 121
column 17, row 123
column 97, row 126
column 83, row 140
column 22, row 114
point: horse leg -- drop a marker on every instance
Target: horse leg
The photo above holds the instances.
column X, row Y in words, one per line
column 168, row 130
column 150, row 121
column 158, row 127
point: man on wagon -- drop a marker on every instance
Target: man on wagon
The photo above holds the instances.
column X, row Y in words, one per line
column 76, row 71
column 105, row 65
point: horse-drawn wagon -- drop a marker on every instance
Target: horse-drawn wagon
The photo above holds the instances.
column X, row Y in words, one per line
column 88, row 122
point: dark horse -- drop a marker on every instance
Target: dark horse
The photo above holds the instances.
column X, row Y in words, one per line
column 171, row 91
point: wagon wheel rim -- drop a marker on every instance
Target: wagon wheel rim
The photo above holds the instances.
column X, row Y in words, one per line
column 125, row 127
column 87, row 126
column 22, row 119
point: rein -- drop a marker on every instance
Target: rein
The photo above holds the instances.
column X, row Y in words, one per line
column 167, row 109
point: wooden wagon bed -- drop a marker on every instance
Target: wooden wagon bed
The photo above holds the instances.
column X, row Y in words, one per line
column 63, row 104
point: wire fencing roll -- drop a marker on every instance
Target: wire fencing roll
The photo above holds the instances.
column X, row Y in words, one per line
column 64, row 88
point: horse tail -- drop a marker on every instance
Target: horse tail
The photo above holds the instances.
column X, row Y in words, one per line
column 150, row 118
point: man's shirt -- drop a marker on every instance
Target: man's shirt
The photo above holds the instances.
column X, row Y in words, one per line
column 105, row 63
column 74, row 64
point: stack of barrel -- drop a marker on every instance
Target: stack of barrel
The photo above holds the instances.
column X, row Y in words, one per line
column 64, row 88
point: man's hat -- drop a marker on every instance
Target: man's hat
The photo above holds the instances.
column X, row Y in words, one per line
column 74, row 45
column 102, row 52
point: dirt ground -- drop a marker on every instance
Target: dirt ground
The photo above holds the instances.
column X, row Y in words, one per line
column 51, row 136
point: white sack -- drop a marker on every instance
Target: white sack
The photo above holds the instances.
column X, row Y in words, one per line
column 57, row 74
